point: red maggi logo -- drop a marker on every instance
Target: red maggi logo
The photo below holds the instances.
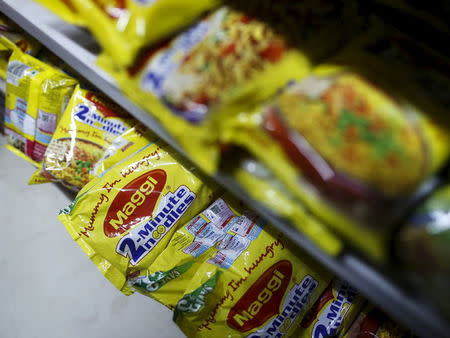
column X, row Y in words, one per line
column 262, row 300
column 134, row 202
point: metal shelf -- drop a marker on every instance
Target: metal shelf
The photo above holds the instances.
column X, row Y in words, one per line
column 76, row 47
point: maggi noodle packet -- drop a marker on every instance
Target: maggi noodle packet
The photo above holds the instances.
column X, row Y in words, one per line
column 88, row 126
column 124, row 218
column 373, row 323
column 36, row 96
column 122, row 147
column 220, row 232
column 333, row 313
column 17, row 38
column 221, row 63
column 124, row 27
column 65, row 9
column 266, row 291
column 348, row 150
column 260, row 183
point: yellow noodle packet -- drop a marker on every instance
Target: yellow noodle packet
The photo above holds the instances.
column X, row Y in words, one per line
column 260, row 183
column 88, row 126
column 124, row 27
column 122, row 147
column 213, row 232
column 36, row 96
column 346, row 149
column 65, row 9
column 333, row 313
column 15, row 37
column 222, row 62
column 266, row 291
column 124, row 218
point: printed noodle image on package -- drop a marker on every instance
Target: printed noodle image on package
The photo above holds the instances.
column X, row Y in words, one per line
column 345, row 148
column 225, row 58
column 124, row 218
column 124, row 27
column 265, row 291
column 88, row 126
column 195, row 71
column 36, row 95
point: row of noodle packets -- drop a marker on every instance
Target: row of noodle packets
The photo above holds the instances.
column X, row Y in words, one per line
column 76, row 145
column 85, row 100
column 78, row 139
column 348, row 141
column 217, row 265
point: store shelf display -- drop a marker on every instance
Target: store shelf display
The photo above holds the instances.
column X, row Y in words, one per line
column 376, row 279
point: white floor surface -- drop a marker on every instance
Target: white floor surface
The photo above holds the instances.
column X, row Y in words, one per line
column 48, row 287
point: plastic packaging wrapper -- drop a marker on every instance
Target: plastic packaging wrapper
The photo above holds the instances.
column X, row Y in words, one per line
column 351, row 152
column 265, row 291
column 424, row 247
column 88, row 126
column 36, row 96
column 122, row 147
column 124, row 218
column 333, row 313
column 124, row 27
column 218, row 231
column 262, row 186
column 16, row 37
column 372, row 323
column 221, row 63
column 65, row 9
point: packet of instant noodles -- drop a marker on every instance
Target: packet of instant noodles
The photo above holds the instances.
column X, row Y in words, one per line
column 373, row 323
column 65, row 9
column 260, row 183
column 124, row 27
column 124, row 218
column 214, row 231
column 221, row 62
column 333, row 313
column 266, row 291
column 36, row 96
column 88, row 126
column 351, row 152
column 15, row 37
column 122, row 147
